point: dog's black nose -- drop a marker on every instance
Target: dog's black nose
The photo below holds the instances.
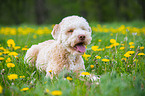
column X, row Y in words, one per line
column 82, row 37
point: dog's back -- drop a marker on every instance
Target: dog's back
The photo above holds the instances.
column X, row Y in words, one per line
column 32, row 53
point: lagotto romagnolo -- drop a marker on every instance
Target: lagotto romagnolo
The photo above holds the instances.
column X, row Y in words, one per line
column 71, row 36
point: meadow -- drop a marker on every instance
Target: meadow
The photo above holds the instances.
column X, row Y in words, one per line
column 116, row 57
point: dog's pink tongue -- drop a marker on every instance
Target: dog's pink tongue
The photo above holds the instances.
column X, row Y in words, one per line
column 81, row 48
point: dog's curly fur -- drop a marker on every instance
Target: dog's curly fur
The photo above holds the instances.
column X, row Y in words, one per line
column 62, row 52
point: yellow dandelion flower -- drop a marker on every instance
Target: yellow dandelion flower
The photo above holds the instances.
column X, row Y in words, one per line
column 94, row 48
column 11, row 43
column 99, row 40
column 123, row 59
column 132, row 46
column 121, row 48
column 1, row 89
column 2, row 58
column 24, row 89
column 68, row 78
column 99, row 49
column 13, row 76
column 130, row 52
column 127, row 55
column 2, row 48
column 131, row 43
column 24, row 49
column 6, row 52
column 8, row 60
column 98, row 57
column 1, row 53
column 50, row 71
column 115, row 44
column 141, row 54
column 107, row 47
column 105, row 60
column 142, row 47
column 122, row 44
column 17, row 47
column 111, row 45
column 86, row 56
column 56, row 92
column 112, row 41
column 46, row 90
column 9, row 65
column 92, row 66
column 22, row 76
column 85, row 73
column 13, row 53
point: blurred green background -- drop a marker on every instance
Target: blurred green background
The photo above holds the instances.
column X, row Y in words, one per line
column 52, row 11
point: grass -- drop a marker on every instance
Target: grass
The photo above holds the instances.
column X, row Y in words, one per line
column 118, row 77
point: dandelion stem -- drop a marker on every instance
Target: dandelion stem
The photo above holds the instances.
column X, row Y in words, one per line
column 3, row 80
column 136, row 53
column 105, row 68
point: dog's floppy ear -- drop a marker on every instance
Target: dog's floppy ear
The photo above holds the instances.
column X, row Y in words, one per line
column 55, row 31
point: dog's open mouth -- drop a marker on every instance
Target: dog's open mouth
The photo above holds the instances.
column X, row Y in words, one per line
column 79, row 47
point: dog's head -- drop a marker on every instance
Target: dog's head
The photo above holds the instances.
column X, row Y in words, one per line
column 74, row 33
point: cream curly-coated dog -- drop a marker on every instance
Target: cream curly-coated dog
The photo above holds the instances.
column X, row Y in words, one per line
column 71, row 36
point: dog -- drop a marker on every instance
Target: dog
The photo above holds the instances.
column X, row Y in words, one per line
column 71, row 36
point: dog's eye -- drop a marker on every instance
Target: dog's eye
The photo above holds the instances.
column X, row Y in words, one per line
column 71, row 30
column 83, row 28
